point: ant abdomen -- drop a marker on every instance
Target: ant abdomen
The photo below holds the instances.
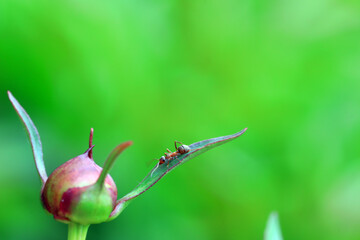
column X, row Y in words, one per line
column 183, row 149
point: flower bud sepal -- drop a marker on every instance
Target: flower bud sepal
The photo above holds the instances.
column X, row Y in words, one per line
column 87, row 205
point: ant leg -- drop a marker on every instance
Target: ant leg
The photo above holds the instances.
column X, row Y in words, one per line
column 167, row 166
column 168, row 150
column 169, row 161
column 177, row 159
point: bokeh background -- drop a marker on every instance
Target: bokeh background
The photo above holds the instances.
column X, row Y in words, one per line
column 155, row 71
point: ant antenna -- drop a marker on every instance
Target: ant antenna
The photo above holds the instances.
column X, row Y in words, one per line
column 176, row 146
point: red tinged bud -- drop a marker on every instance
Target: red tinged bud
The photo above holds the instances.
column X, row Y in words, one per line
column 71, row 193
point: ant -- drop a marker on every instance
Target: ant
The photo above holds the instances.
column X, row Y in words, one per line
column 170, row 155
column 179, row 151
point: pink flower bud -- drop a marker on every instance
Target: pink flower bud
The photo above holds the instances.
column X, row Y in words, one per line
column 70, row 192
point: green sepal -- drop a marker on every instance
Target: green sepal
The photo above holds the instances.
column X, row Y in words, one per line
column 34, row 137
column 110, row 161
column 93, row 206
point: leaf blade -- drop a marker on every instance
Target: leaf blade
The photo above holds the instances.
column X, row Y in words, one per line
column 34, row 137
column 160, row 171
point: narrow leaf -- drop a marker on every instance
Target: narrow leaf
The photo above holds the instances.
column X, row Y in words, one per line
column 160, row 170
column 110, row 161
column 272, row 231
column 33, row 136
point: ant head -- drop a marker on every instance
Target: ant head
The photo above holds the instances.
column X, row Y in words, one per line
column 162, row 160
column 184, row 149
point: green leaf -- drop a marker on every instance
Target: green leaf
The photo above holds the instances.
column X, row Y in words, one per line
column 273, row 231
column 33, row 136
column 160, row 170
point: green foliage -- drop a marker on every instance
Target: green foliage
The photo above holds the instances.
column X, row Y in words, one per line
column 157, row 71
column 273, row 231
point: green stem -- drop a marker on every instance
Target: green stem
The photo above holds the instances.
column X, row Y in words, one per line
column 77, row 231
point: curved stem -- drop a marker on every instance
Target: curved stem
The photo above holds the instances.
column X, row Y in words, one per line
column 77, row 231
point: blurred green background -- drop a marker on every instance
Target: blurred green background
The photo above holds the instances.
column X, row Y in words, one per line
column 155, row 71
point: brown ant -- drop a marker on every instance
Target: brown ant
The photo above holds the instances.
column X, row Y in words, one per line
column 170, row 155
column 179, row 151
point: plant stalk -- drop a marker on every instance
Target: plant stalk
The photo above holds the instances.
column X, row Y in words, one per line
column 77, row 231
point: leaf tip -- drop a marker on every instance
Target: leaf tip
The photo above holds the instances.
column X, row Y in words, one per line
column 128, row 143
column 11, row 97
column 242, row 131
column 273, row 230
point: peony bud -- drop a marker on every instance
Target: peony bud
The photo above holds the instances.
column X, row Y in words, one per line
column 71, row 193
